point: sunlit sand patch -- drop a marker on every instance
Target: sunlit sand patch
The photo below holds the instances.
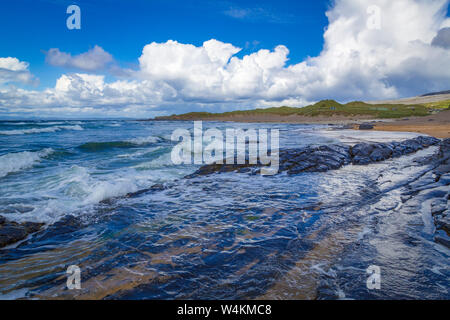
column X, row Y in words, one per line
column 167, row 256
column 247, row 267
column 301, row 281
column 245, row 236
column 119, row 279
column 41, row 263
column 103, row 285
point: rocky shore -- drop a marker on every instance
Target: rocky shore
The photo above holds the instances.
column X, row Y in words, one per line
column 439, row 188
column 327, row 157
column 316, row 159
column 324, row 158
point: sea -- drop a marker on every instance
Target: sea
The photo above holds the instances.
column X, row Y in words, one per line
column 221, row 236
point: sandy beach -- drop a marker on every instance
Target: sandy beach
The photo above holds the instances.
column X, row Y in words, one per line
column 436, row 125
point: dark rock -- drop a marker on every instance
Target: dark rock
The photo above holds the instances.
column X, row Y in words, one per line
column 62, row 230
column 67, row 224
column 445, row 241
column 438, row 206
column 31, row 227
column 328, row 157
column 405, row 198
column 244, row 170
column 381, row 152
column 443, row 222
column 155, row 187
column 361, row 152
column 427, row 141
column 2, row 220
column 365, row 126
column 443, row 169
column 11, row 232
column 432, row 182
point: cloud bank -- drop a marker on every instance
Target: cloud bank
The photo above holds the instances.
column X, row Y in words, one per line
column 403, row 57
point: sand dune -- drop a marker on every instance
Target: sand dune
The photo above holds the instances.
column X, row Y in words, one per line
column 414, row 100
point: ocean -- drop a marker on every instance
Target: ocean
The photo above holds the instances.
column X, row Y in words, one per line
column 221, row 236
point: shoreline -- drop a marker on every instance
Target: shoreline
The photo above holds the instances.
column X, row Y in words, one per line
column 441, row 131
column 436, row 125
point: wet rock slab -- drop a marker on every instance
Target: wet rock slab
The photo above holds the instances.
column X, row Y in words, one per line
column 11, row 232
column 437, row 183
column 440, row 207
column 327, row 157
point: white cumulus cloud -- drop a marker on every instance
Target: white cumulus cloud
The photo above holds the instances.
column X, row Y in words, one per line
column 400, row 58
column 14, row 70
column 92, row 60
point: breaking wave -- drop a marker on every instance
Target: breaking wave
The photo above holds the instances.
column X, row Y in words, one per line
column 40, row 130
column 14, row 162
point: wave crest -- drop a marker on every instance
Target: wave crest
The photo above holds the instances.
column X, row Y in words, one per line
column 14, row 162
column 101, row 146
column 40, row 130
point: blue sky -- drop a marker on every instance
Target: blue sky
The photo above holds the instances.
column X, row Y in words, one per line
column 142, row 58
column 124, row 27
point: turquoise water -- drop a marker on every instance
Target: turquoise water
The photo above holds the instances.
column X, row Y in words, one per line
column 221, row 236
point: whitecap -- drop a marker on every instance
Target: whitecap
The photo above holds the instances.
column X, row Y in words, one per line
column 145, row 140
column 14, row 162
column 40, row 130
column 14, row 123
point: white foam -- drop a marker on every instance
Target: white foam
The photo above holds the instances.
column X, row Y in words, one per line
column 49, row 123
column 145, row 140
column 77, row 189
column 80, row 185
column 14, row 123
column 358, row 136
column 101, row 190
column 40, row 130
column 14, row 162
column 139, row 153
column 162, row 161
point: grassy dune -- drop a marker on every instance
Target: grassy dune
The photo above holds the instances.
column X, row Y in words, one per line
column 323, row 108
column 438, row 105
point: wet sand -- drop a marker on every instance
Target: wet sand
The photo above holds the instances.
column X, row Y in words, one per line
column 436, row 125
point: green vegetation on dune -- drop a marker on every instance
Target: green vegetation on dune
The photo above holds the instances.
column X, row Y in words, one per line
column 322, row 108
column 331, row 107
column 445, row 104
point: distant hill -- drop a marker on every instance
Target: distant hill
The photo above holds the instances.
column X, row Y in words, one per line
column 435, row 93
column 324, row 108
column 438, row 100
